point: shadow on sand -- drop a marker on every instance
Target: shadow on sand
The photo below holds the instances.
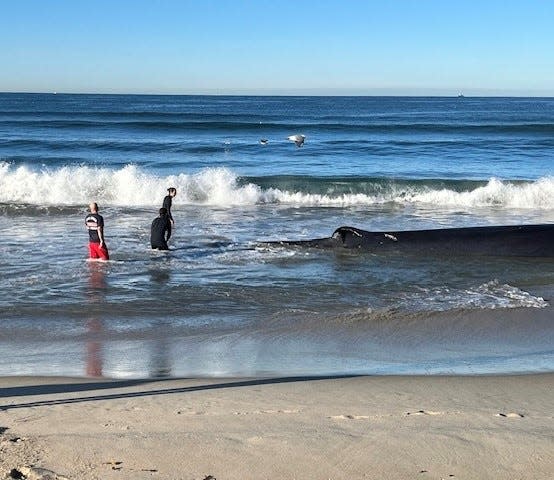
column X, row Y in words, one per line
column 115, row 384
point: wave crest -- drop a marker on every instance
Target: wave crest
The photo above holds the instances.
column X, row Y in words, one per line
column 130, row 186
column 127, row 186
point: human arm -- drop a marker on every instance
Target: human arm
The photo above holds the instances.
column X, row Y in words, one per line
column 167, row 203
column 101, row 235
column 100, row 230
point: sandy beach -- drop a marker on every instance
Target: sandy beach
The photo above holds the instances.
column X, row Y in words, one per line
column 426, row 427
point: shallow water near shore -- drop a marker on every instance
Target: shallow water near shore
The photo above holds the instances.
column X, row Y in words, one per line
column 221, row 302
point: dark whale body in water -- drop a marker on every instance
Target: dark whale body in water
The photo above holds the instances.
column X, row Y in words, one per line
column 515, row 241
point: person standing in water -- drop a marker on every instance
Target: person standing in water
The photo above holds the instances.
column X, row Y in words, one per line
column 95, row 225
column 168, row 201
column 160, row 231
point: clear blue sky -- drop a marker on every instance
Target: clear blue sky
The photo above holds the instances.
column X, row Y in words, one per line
column 408, row 47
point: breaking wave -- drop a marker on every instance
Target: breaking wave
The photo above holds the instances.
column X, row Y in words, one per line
column 131, row 185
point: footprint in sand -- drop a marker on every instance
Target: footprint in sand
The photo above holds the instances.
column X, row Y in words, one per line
column 277, row 411
column 424, row 412
column 35, row 473
column 367, row 417
column 114, row 464
column 442, row 478
column 266, row 412
column 350, row 417
column 510, row 415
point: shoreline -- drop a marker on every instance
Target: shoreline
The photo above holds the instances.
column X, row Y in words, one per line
column 428, row 427
column 463, row 342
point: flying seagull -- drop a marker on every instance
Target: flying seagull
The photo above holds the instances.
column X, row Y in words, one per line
column 297, row 139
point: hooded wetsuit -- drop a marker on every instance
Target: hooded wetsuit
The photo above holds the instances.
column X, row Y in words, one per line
column 168, row 201
column 160, row 232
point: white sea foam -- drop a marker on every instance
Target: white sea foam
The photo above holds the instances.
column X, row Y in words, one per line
column 130, row 185
column 539, row 194
column 127, row 186
column 489, row 295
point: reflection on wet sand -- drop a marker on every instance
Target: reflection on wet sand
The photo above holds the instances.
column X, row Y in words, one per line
column 160, row 360
column 95, row 295
column 94, row 349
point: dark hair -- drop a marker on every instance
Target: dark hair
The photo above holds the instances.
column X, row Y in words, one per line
column 171, row 190
column 163, row 211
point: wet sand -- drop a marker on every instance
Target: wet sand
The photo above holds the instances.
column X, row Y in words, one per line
column 417, row 427
column 362, row 342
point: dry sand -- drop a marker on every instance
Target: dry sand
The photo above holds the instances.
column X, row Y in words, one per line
column 479, row 427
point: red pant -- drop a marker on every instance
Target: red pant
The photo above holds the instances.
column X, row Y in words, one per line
column 95, row 251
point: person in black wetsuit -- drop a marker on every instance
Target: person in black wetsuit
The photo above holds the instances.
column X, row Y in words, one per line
column 160, row 231
column 168, row 200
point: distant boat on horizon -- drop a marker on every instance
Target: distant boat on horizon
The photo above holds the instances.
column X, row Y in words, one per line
column 460, row 95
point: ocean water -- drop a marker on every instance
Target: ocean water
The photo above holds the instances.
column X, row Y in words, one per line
column 222, row 303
